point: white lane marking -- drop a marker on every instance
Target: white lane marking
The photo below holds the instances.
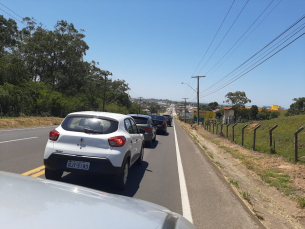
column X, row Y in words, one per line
column 28, row 128
column 186, row 208
column 21, row 139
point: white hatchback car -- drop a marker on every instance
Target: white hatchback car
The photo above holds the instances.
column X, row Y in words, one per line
column 97, row 143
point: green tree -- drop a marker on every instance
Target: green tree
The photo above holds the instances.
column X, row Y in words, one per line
column 238, row 99
column 213, row 105
column 297, row 108
column 8, row 34
column 254, row 111
column 43, row 72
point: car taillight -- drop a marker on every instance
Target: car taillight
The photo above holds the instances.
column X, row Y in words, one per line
column 118, row 141
column 163, row 123
column 53, row 136
column 148, row 128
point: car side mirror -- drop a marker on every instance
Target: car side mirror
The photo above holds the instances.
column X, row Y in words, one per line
column 142, row 131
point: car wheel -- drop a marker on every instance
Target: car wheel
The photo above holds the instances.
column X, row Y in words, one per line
column 52, row 175
column 140, row 159
column 149, row 143
column 121, row 179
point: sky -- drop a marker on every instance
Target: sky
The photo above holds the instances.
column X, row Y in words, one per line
column 156, row 45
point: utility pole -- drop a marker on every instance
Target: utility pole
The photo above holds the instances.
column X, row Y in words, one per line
column 197, row 97
column 140, row 105
column 185, row 108
column 108, row 73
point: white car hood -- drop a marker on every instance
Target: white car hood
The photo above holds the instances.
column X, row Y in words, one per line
column 27, row 202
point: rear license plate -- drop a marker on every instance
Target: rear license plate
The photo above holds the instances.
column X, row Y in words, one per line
column 78, row 165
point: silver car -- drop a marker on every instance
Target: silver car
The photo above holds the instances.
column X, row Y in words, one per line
column 28, row 202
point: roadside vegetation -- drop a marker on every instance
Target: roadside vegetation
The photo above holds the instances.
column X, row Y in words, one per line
column 267, row 166
column 44, row 73
column 28, row 122
column 283, row 136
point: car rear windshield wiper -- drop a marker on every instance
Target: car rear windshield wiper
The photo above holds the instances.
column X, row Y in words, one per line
column 87, row 130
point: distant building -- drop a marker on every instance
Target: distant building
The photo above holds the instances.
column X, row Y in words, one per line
column 192, row 109
column 228, row 116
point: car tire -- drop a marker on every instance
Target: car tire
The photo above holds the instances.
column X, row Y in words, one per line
column 52, row 175
column 140, row 159
column 122, row 178
column 149, row 143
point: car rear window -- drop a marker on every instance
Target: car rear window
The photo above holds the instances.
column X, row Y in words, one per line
column 158, row 117
column 140, row 120
column 89, row 125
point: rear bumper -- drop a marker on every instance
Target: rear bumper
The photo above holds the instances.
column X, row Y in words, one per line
column 148, row 137
column 161, row 128
column 98, row 166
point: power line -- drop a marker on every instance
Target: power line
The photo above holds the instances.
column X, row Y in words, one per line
column 257, row 52
column 224, row 35
column 212, row 41
column 11, row 10
column 244, row 39
column 272, row 47
column 242, row 35
column 255, row 66
column 213, row 38
column 12, row 16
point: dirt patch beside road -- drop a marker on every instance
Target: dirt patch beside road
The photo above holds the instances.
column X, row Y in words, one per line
column 271, row 187
column 6, row 123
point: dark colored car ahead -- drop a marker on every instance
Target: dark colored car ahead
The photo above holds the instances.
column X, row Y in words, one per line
column 169, row 119
column 160, row 122
column 144, row 122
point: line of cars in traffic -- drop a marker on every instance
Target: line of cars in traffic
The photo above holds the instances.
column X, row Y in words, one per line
column 94, row 143
column 151, row 124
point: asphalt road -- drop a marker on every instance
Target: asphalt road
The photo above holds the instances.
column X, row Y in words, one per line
column 205, row 194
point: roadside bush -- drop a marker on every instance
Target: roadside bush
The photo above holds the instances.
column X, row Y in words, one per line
column 274, row 114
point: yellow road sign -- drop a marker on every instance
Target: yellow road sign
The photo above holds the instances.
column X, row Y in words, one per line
column 205, row 114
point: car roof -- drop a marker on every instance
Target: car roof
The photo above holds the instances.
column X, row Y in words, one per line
column 100, row 114
column 139, row 115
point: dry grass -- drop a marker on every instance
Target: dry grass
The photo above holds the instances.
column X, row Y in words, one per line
column 6, row 123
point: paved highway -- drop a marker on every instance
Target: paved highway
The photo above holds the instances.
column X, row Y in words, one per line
column 190, row 185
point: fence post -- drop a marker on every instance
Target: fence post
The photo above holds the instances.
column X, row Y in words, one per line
column 213, row 126
column 296, row 143
column 233, row 130
column 217, row 128
column 270, row 139
column 221, row 126
column 228, row 129
column 254, row 136
column 242, row 134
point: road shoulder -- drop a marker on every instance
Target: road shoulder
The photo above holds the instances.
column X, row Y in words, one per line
column 213, row 203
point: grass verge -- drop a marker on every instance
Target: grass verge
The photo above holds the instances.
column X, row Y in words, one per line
column 6, row 123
